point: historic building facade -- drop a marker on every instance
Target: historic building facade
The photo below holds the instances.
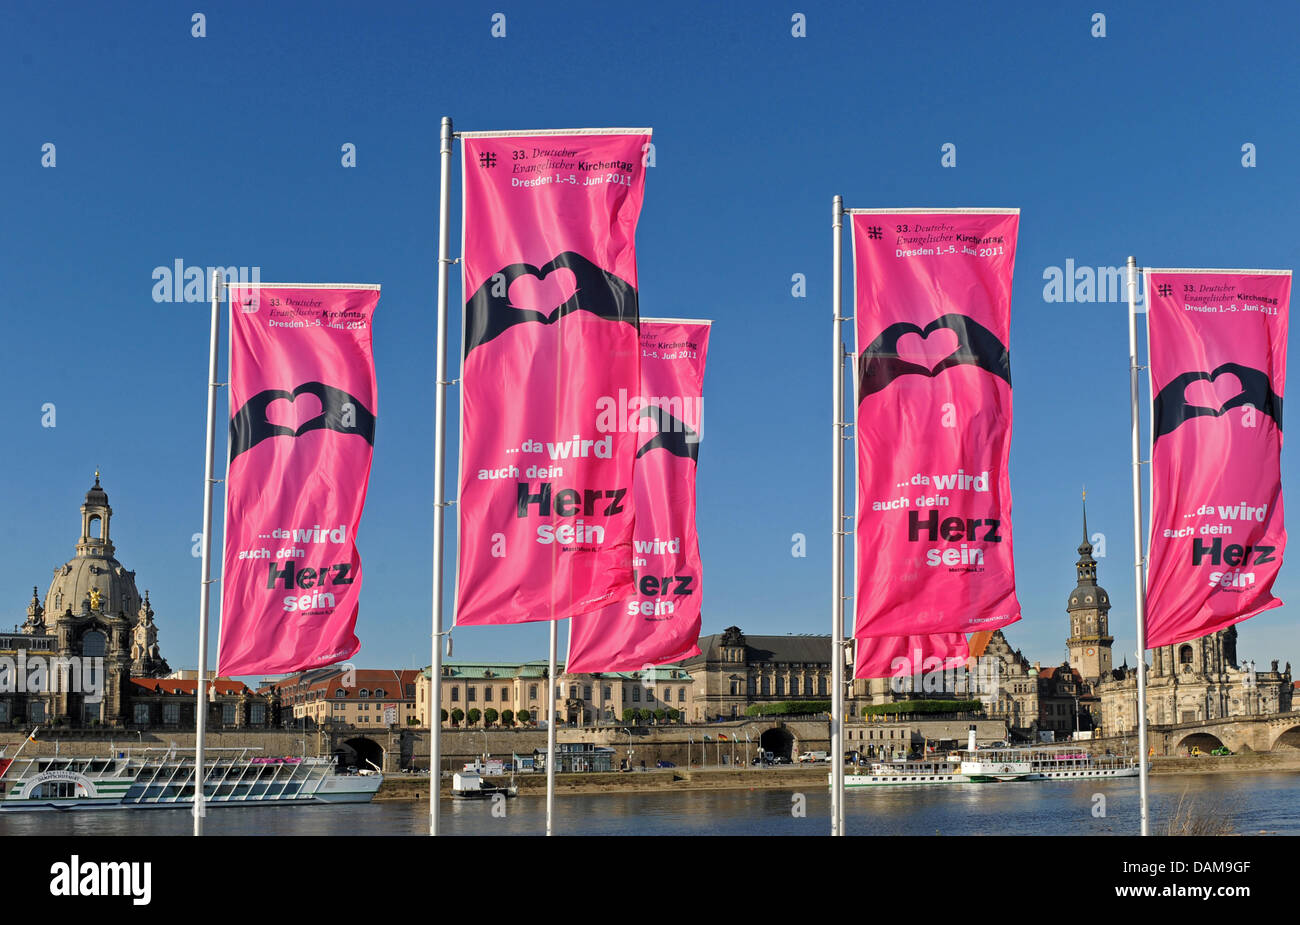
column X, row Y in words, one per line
column 88, row 654
column 348, row 696
column 1195, row 681
column 734, row 670
column 94, row 623
column 594, row 699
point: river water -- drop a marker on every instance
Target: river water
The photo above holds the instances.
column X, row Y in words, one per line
column 1268, row 803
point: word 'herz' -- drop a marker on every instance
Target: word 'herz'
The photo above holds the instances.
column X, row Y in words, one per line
column 569, row 502
column 308, row 577
column 952, row 528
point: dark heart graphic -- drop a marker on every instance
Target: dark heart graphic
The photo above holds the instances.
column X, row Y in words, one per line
column 291, row 413
column 1174, row 406
column 674, row 435
column 881, row 363
column 250, row 425
column 488, row 316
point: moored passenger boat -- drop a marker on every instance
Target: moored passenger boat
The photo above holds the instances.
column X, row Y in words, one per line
column 160, row 778
column 901, row 773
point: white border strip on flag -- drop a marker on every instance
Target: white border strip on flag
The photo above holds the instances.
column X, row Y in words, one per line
column 557, row 131
column 460, row 395
column 924, row 211
column 1150, row 270
column 677, row 320
column 1150, row 448
column 373, row 286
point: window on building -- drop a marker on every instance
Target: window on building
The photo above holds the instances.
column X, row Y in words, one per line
column 410, row 692
column 532, row 692
column 471, row 694
column 340, row 693
column 141, row 714
column 681, row 695
column 780, row 687
column 4, row 712
column 606, row 692
column 808, row 685
column 379, row 692
column 767, row 686
column 636, row 693
column 256, row 713
column 93, row 644
column 455, row 695
column 228, row 714
column 735, row 687
column 821, row 685
column 487, row 693
column 172, row 714
column 363, row 693
column 586, row 692
column 505, row 694
column 751, row 686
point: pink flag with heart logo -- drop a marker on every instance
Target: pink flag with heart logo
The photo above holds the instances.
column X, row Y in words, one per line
column 550, row 333
column 657, row 621
column 302, row 433
column 932, row 535
column 1218, row 374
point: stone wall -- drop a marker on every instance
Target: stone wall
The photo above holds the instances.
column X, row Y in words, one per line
column 409, row 747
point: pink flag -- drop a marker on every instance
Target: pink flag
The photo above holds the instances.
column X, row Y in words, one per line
column 933, row 431
column 302, row 432
column 658, row 620
column 907, row 656
column 1218, row 374
column 545, row 504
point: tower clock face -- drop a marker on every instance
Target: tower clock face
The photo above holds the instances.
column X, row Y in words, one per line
column 1092, row 651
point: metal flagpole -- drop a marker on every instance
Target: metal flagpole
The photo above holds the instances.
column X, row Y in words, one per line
column 837, row 526
column 550, row 735
column 205, row 582
column 1139, row 582
column 439, row 476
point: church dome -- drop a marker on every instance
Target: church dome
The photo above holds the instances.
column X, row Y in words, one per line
column 74, row 581
column 93, row 568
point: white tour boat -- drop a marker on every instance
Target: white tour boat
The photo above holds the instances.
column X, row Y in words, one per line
column 157, row 778
column 925, row 771
column 986, row 765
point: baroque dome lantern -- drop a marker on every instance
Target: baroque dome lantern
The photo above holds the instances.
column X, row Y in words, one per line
column 92, row 580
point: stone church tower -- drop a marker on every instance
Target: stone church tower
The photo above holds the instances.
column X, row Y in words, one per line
column 1090, row 641
column 146, row 659
column 93, row 609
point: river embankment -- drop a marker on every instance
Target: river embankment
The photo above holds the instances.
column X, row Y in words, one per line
column 413, row 787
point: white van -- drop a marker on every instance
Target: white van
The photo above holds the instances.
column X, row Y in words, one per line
column 814, row 756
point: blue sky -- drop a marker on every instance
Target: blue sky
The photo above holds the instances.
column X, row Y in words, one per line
column 225, row 150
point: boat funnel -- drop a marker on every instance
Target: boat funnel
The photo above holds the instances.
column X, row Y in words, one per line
column 970, row 738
